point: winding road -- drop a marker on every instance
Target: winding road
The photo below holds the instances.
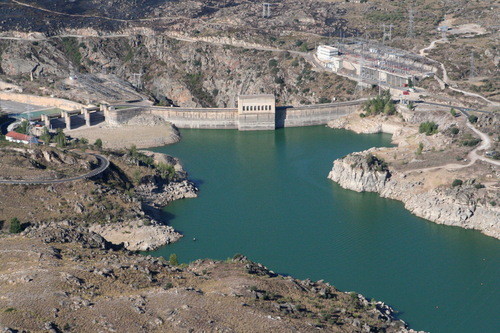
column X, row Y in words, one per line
column 103, row 165
column 445, row 81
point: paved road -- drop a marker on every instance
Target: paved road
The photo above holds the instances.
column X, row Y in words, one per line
column 103, row 165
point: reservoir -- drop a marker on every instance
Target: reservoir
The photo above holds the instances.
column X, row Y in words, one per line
column 266, row 195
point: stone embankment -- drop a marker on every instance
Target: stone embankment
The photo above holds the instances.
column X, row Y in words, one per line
column 427, row 194
column 143, row 131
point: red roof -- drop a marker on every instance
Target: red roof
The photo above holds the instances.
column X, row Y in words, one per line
column 19, row 136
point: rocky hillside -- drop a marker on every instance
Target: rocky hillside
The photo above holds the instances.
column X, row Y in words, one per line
column 431, row 174
column 189, row 73
column 464, row 206
column 121, row 204
column 71, row 282
column 174, row 72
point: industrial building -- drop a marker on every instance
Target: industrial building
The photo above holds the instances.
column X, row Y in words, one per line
column 327, row 53
column 375, row 64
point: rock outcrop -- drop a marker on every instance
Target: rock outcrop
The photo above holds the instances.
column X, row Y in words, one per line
column 458, row 206
column 138, row 235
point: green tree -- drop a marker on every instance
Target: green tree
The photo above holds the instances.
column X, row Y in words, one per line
column 15, row 226
column 453, row 112
column 45, row 136
column 98, row 144
column 411, row 105
column 60, row 138
column 84, row 141
column 23, row 128
column 428, row 127
column 457, row 182
column 173, row 259
column 473, row 119
column 380, row 104
column 389, row 108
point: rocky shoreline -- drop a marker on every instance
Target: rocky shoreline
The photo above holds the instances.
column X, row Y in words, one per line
column 425, row 193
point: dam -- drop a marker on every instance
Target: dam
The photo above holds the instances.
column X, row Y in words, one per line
column 254, row 112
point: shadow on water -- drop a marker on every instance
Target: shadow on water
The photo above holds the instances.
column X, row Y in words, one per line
column 197, row 181
column 159, row 214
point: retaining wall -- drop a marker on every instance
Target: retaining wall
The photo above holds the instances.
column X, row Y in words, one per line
column 214, row 118
column 41, row 100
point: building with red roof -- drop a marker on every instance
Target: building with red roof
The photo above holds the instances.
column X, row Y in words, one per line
column 20, row 138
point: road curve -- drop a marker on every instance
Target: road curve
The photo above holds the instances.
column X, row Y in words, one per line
column 103, row 165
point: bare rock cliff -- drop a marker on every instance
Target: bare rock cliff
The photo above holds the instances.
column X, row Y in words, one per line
column 457, row 206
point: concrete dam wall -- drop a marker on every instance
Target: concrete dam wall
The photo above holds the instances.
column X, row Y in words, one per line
column 229, row 118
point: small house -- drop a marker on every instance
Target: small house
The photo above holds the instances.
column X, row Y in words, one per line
column 20, row 138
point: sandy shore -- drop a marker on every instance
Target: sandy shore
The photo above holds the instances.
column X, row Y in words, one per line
column 144, row 131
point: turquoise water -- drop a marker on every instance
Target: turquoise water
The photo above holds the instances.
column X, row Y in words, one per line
column 266, row 195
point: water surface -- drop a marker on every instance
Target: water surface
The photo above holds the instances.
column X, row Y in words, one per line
column 266, row 195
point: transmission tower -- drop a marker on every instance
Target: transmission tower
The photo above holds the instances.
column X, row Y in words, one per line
column 137, row 80
column 361, row 66
column 266, row 10
column 411, row 23
column 472, row 66
column 387, row 35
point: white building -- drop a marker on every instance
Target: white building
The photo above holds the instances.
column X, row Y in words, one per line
column 20, row 138
column 326, row 53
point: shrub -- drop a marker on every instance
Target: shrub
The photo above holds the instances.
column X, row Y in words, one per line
column 273, row 63
column 420, row 148
column 15, row 226
column 362, row 115
column 167, row 171
column 473, row 119
column 454, row 130
column 376, row 163
column 98, row 144
column 471, row 142
column 457, row 182
column 479, row 185
column 173, row 259
column 71, row 48
column 279, row 80
column 453, row 112
column 429, row 128
column 324, row 100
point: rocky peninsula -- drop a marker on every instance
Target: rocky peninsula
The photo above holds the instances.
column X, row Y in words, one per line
column 121, row 204
column 438, row 177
